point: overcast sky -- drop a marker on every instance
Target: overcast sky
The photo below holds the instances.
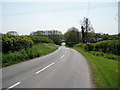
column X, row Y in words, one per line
column 26, row 17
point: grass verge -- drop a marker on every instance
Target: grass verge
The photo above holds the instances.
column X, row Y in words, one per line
column 105, row 55
column 26, row 54
column 105, row 71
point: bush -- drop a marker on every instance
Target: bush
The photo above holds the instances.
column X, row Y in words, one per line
column 97, row 53
column 89, row 47
column 12, row 43
column 29, row 53
column 82, row 45
column 108, row 46
column 108, row 56
column 39, row 39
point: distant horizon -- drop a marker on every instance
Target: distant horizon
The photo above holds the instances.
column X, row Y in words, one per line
column 57, row 30
column 54, row 29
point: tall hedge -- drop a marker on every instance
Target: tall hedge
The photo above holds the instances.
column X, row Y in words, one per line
column 40, row 39
column 12, row 43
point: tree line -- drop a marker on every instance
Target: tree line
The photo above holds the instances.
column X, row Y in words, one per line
column 54, row 35
column 72, row 36
column 86, row 35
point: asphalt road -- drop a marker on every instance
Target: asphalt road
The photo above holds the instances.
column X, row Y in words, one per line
column 64, row 68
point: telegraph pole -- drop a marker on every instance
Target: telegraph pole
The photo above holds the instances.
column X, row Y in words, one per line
column 118, row 17
column 86, row 34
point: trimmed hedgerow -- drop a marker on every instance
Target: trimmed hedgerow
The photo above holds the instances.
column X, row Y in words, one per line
column 109, row 46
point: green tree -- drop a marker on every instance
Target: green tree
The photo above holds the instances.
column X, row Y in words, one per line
column 72, row 36
column 12, row 33
column 86, row 29
column 105, row 36
column 54, row 35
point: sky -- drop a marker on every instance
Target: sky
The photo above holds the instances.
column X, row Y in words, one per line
column 26, row 17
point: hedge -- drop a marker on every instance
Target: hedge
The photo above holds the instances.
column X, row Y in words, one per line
column 108, row 46
column 12, row 43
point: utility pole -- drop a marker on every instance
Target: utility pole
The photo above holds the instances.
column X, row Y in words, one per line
column 83, row 34
column 86, row 34
column 118, row 17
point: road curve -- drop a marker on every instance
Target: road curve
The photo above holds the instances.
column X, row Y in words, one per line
column 64, row 68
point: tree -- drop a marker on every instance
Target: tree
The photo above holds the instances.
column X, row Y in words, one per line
column 72, row 36
column 86, row 28
column 105, row 36
column 83, row 34
column 54, row 35
column 12, row 33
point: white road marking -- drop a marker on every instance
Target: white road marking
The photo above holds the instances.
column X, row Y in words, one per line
column 14, row 85
column 44, row 68
column 62, row 56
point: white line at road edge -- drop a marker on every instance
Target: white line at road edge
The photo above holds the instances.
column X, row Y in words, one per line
column 13, row 85
column 44, row 68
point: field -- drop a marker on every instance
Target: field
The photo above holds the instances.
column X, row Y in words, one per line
column 105, row 71
column 26, row 54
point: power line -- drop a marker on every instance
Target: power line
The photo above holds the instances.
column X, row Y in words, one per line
column 87, row 13
column 88, row 9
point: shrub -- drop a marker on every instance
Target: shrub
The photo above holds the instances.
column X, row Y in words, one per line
column 89, row 47
column 29, row 53
column 82, row 45
column 108, row 56
column 108, row 46
column 39, row 39
column 12, row 43
column 97, row 53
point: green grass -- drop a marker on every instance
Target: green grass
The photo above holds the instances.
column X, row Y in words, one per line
column 105, row 71
column 26, row 54
column 105, row 55
column 0, row 59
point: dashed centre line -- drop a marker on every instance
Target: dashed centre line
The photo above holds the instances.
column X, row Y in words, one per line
column 35, row 73
column 62, row 56
column 13, row 85
column 44, row 68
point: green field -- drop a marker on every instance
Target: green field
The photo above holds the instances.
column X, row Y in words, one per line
column 29, row 53
column 105, row 71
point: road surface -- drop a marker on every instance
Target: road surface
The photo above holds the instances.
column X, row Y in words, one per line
column 64, row 68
